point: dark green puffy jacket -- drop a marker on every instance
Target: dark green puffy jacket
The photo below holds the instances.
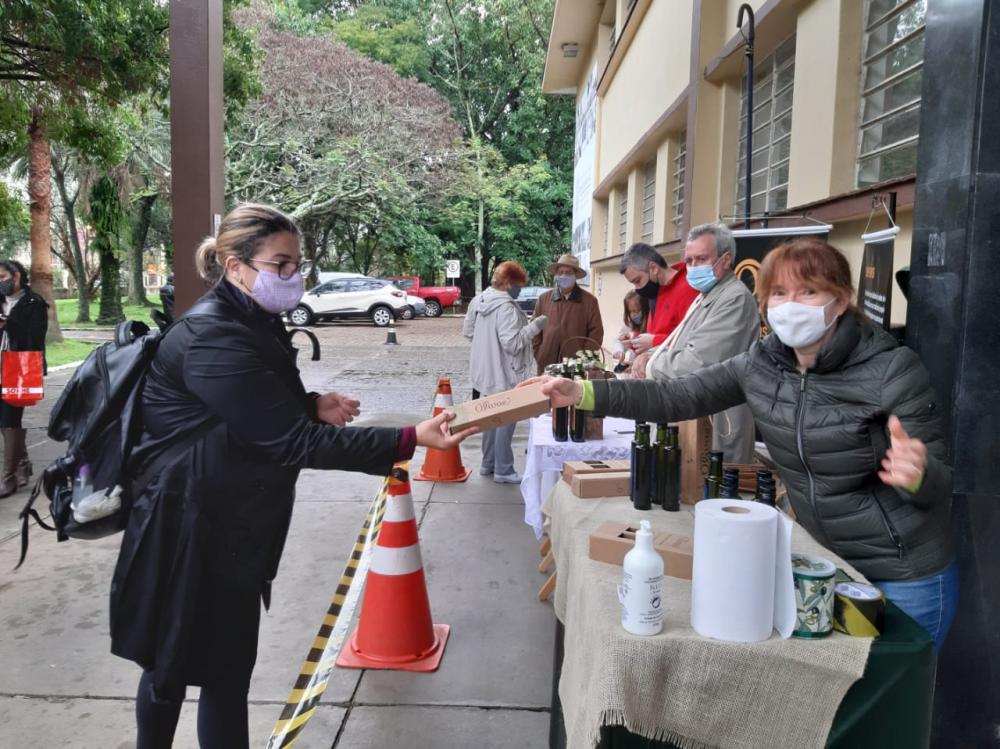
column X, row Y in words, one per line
column 826, row 431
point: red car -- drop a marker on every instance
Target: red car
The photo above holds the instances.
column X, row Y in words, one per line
column 437, row 297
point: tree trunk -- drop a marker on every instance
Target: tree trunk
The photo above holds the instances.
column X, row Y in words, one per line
column 79, row 267
column 140, row 230
column 310, row 248
column 110, row 310
column 40, row 195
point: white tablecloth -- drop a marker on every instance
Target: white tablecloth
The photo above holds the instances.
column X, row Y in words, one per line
column 546, row 457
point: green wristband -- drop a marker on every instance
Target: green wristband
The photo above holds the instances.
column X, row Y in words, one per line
column 586, row 402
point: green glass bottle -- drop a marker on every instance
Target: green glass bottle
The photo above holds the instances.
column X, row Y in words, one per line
column 578, row 417
column 641, row 471
column 659, row 477
column 671, row 500
column 713, row 484
column 562, row 413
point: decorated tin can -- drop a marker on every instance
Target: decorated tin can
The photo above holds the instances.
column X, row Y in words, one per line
column 814, row 589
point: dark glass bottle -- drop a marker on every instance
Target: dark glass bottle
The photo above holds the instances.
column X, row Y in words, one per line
column 659, row 476
column 713, row 483
column 763, row 476
column 767, row 495
column 730, row 483
column 577, row 416
column 641, row 461
column 671, row 497
column 562, row 413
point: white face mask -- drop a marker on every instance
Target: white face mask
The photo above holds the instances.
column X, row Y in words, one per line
column 799, row 325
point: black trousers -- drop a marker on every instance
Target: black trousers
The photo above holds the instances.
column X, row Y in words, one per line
column 222, row 714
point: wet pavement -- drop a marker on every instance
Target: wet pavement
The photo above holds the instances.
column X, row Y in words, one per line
column 60, row 687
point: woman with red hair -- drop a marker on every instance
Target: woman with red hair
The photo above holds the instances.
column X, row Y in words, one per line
column 501, row 357
column 848, row 417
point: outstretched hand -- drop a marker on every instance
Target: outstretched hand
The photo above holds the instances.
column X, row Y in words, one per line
column 561, row 391
column 905, row 461
column 334, row 408
column 434, row 432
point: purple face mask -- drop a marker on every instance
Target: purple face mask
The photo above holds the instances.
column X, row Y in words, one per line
column 275, row 294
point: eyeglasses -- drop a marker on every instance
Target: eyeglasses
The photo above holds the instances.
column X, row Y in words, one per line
column 288, row 268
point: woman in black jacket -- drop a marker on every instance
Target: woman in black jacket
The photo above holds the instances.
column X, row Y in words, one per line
column 847, row 415
column 227, row 426
column 24, row 322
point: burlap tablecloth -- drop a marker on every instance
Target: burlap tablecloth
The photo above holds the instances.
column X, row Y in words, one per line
column 678, row 686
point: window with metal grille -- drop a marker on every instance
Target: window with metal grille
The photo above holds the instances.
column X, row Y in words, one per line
column 892, row 61
column 772, row 132
column 607, row 228
column 677, row 204
column 648, row 201
column 622, row 216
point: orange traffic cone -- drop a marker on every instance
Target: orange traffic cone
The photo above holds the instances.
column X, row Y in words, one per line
column 443, row 465
column 395, row 630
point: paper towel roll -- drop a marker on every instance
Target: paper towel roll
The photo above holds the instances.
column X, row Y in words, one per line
column 741, row 584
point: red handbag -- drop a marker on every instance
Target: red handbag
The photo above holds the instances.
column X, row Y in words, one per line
column 21, row 378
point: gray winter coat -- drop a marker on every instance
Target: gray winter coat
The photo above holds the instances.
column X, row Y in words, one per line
column 501, row 342
column 826, row 431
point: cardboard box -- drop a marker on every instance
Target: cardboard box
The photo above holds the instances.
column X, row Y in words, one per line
column 612, row 541
column 695, row 438
column 594, row 485
column 492, row 411
column 573, row 468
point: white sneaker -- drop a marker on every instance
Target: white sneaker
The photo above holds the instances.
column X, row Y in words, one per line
column 510, row 478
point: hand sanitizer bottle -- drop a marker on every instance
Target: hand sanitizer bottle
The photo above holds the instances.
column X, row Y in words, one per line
column 641, row 591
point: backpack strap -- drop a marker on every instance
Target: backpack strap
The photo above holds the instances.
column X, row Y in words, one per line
column 27, row 513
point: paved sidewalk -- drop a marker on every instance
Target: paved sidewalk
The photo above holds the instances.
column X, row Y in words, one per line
column 60, row 687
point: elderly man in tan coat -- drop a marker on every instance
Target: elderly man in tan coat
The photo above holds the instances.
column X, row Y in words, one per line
column 574, row 316
column 720, row 323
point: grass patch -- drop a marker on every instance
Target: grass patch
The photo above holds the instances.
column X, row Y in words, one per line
column 66, row 312
column 67, row 351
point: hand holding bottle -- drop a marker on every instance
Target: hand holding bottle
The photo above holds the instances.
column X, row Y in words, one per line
column 434, row 432
column 561, row 391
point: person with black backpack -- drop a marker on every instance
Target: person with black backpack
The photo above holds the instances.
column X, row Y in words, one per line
column 24, row 321
column 226, row 426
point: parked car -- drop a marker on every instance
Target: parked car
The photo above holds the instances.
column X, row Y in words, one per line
column 415, row 306
column 437, row 297
column 350, row 298
column 528, row 298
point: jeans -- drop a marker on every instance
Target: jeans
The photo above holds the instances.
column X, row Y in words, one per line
column 930, row 601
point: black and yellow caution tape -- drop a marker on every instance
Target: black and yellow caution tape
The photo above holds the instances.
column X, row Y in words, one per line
column 859, row 609
column 320, row 662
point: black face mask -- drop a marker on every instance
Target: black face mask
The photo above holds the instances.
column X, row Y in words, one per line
column 650, row 290
column 7, row 287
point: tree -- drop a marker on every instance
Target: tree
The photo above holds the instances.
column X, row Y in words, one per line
column 487, row 58
column 339, row 141
column 63, row 62
column 107, row 217
column 63, row 169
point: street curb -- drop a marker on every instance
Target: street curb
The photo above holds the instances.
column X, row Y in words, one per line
column 61, row 367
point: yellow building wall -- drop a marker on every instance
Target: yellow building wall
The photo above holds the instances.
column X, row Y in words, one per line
column 654, row 72
column 825, row 101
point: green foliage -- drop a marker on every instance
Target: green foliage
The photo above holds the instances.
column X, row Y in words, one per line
column 108, row 218
column 66, row 312
column 388, row 34
column 67, row 352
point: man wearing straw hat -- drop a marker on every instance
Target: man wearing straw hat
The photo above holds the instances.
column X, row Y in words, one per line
column 574, row 316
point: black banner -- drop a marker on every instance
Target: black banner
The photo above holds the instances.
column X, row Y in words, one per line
column 753, row 244
column 875, row 284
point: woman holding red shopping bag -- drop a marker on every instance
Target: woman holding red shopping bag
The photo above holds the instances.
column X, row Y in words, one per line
column 24, row 323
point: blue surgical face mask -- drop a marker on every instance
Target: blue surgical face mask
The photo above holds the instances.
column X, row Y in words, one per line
column 565, row 282
column 702, row 277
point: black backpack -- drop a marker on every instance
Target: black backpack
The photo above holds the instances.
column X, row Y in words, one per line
column 97, row 415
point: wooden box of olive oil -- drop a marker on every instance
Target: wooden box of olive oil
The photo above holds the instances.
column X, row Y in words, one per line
column 492, row 411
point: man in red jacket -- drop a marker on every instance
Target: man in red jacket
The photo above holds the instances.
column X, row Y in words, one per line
column 664, row 286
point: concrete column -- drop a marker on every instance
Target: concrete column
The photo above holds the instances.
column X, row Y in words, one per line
column 196, row 140
column 953, row 321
